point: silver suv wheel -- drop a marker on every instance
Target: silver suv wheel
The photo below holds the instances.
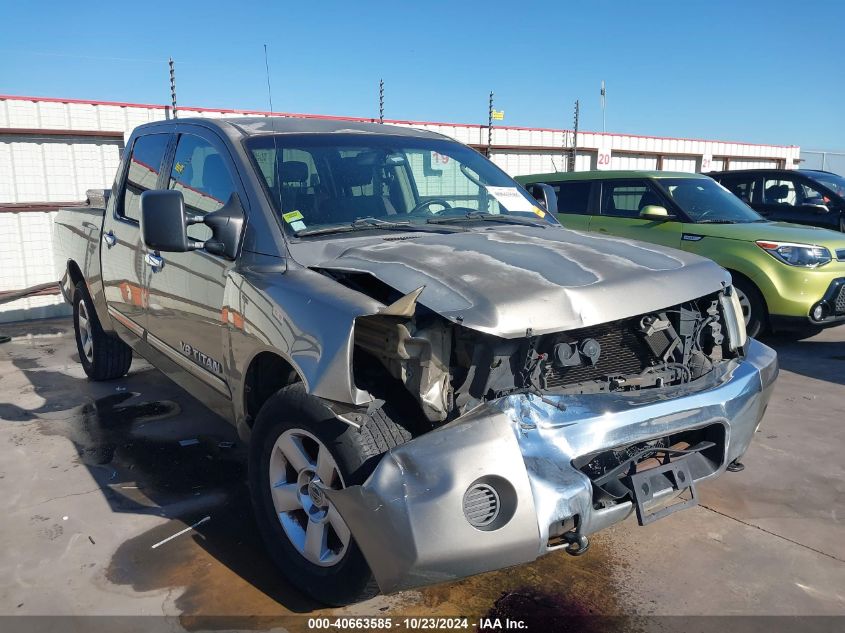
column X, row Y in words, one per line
column 300, row 466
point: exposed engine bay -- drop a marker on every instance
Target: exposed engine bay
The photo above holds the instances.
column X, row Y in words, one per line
column 448, row 368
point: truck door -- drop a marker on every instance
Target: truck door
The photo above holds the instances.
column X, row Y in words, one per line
column 185, row 319
column 122, row 253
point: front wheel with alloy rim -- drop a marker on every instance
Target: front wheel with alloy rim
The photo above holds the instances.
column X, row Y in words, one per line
column 103, row 357
column 299, row 448
column 753, row 306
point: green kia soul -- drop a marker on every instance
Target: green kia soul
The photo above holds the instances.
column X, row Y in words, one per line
column 789, row 277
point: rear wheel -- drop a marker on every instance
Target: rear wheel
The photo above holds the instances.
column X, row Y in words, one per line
column 297, row 447
column 103, row 357
column 753, row 306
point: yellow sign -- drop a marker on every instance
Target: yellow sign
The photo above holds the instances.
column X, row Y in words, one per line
column 498, row 115
column 292, row 216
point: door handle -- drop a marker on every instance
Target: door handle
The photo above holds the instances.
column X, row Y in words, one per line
column 109, row 239
column 154, row 261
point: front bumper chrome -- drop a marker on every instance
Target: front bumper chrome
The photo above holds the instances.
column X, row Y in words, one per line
column 408, row 517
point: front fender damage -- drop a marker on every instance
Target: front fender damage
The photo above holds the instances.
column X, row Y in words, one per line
column 412, row 517
column 408, row 520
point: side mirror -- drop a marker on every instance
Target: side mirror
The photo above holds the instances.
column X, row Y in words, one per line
column 655, row 212
column 545, row 195
column 164, row 222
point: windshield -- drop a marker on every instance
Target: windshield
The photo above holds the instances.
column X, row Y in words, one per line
column 834, row 182
column 368, row 182
column 706, row 201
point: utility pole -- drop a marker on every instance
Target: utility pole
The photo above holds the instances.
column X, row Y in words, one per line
column 172, row 85
column 603, row 106
column 381, row 101
column 490, row 125
column 574, row 150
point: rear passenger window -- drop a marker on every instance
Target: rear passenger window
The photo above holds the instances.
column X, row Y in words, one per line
column 780, row 191
column 144, row 167
column 573, row 197
column 200, row 173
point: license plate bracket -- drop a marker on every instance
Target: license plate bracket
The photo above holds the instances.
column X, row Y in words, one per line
column 648, row 483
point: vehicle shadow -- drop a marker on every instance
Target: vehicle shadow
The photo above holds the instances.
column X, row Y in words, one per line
column 814, row 357
column 131, row 447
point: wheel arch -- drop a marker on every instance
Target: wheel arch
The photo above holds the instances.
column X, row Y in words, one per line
column 71, row 276
column 267, row 372
column 735, row 274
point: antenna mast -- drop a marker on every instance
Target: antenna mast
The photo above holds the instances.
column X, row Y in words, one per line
column 381, row 100
column 276, row 158
column 172, row 85
column 267, row 72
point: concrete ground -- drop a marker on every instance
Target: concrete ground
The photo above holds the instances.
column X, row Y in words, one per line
column 93, row 475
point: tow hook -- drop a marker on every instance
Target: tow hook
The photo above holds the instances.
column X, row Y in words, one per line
column 578, row 544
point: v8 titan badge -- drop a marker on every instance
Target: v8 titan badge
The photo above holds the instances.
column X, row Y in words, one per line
column 198, row 357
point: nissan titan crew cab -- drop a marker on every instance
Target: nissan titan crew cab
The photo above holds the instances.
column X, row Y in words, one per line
column 435, row 377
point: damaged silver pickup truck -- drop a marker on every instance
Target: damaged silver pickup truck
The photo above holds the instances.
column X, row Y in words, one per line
column 436, row 379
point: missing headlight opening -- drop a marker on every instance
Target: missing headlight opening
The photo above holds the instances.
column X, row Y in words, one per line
column 448, row 368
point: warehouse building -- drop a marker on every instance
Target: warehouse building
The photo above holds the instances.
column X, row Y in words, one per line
column 53, row 150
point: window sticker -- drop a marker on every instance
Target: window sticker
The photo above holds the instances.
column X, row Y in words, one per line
column 294, row 218
column 511, row 199
column 179, row 168
column 539, row 212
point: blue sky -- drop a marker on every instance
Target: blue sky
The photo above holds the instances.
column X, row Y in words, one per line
column 761, row 71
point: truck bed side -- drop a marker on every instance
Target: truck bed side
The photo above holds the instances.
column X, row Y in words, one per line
column 76, row 243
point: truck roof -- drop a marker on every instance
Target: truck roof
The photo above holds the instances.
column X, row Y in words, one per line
column 255, row 125
column 606, row 175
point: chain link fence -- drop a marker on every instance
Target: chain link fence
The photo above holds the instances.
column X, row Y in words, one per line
column 824, row 160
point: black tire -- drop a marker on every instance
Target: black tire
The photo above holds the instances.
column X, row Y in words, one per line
column 356, row 453
column 109, row 357
column 757, row 319
column 842, row 225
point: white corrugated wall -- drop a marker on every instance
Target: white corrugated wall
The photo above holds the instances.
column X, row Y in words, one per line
column 61, row 163
column 633, row 161
column 681, row 164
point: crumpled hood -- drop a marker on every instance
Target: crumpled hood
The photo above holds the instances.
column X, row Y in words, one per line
column 506, row 280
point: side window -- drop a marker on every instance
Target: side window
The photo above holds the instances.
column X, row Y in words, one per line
column 743, row 188
column 625, row 199
column 200, row 173
column 573, row 197
column 780, row 191
column 144, row 167
column 809, row 195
